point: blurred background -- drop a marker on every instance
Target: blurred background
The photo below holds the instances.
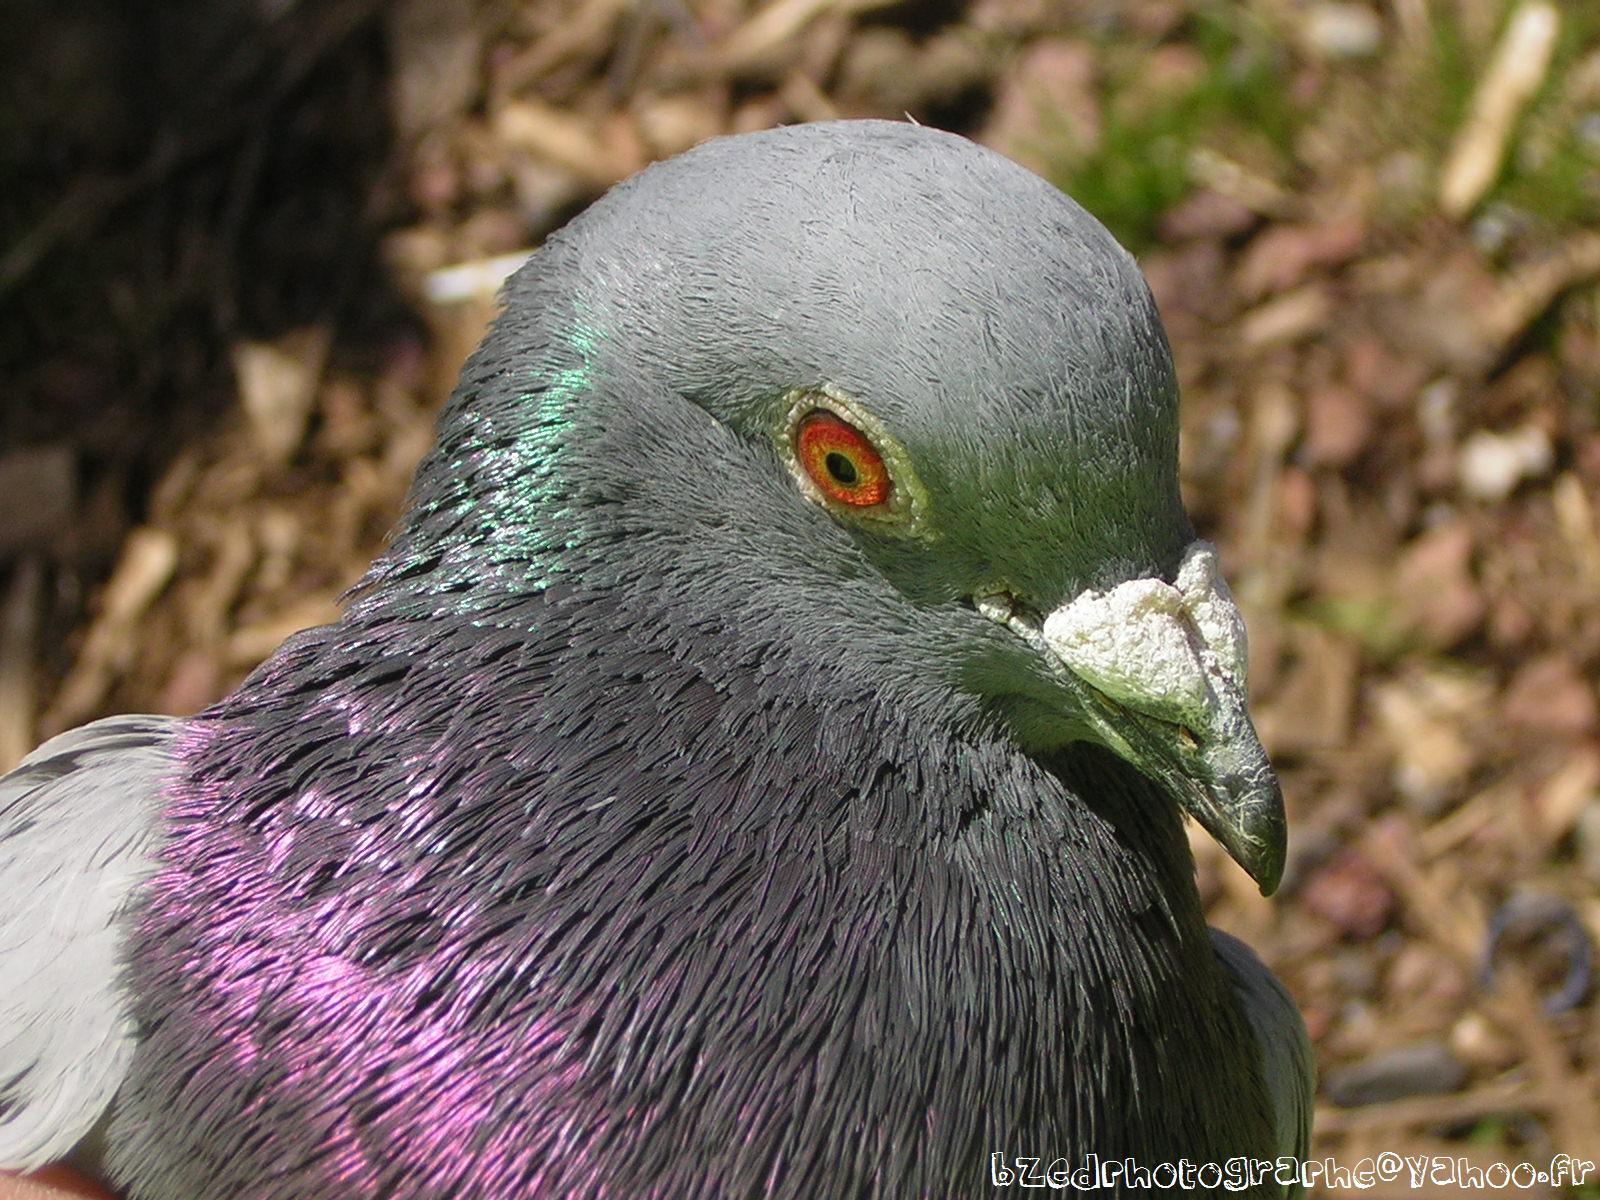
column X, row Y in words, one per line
column 244, row 247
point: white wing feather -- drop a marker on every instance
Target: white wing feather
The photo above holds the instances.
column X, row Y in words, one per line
column 79, row 822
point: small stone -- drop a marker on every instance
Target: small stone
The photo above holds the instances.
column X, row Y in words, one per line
column 1351, row 896
column 1547, row 937
column 1338, row 424
column 1436, row 587
column 1491, row 465
column 1423, row 1069
column 1589, row 132
column 1549, row 695
column 1479, row 1044
column 1493, row 230
column 1347, row 31
column 1353, row 973
column 1206, row 214
column 1438, row 407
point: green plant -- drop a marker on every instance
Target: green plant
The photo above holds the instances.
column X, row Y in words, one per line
column 1549, row 170
column 1140, row 166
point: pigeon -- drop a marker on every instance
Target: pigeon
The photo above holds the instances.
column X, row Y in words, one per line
column 756, row 766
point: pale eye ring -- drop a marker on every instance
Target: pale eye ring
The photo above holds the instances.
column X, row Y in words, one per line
column 845, row 460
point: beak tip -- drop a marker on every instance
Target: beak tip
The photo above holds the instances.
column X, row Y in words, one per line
column 1269, row 875
column 1254, row 832
column 1264, row 859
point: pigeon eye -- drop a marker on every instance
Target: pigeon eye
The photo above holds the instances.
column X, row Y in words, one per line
column 840, row 460
column 844, row 459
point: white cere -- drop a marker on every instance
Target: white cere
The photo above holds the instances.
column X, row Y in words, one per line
column 1160, row 648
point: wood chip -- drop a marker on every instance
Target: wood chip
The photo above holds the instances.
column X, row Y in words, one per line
column 775, row 25
column 19, row 634
column 1573, row 1108
column 1518, row 69
column 671, row 124
column 574, row 35
column 1222, row 174
column 1575, row 518
column 478, row 280
column 1549, row 696
column 1435, row 900
column 1424, row 1111
column 1048, row 100
column 1530, row 291
column 253, row 643
column 805, row 99
column 434, row 48
column 1339, row 422
column 277, row 387
column 1425, row 718
column 1435, row 587
column 559, row 137
column 1286, row 319
column 149, row 559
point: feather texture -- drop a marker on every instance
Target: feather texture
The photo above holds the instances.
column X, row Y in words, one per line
column 78, row 834
column 647, row 829
column 688, row 921
column 1280, row 1038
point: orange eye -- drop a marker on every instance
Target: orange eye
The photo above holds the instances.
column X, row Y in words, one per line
column 840, row 460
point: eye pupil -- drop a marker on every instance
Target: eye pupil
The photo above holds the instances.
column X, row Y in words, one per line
column 841, row 468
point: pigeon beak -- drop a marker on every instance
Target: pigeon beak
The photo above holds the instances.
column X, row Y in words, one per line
column 1219, row 775
column 1159, row 669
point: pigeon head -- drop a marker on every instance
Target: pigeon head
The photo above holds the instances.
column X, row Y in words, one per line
column 880, row 398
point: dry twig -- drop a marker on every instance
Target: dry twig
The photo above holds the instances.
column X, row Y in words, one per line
column 1518, row 69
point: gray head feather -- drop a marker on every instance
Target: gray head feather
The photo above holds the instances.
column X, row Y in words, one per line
column 994, row 326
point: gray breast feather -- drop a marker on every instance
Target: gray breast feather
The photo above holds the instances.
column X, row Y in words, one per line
column 1280, row 1034
column 78, row 827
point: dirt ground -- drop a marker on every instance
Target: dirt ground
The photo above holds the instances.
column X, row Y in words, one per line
column 245, row 246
